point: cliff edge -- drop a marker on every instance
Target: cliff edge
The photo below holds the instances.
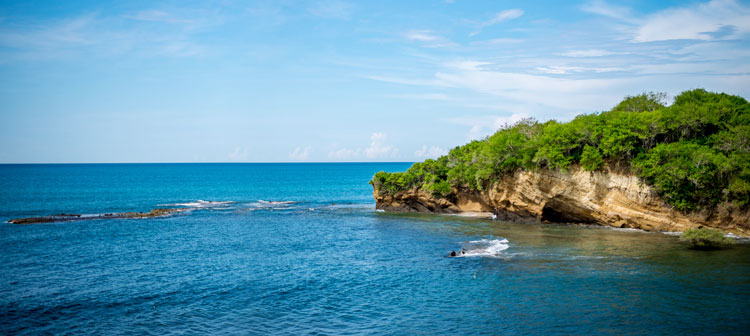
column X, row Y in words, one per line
column 603, row 197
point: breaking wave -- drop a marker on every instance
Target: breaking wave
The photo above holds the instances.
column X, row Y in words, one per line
column 202, row 204
column 483, row 248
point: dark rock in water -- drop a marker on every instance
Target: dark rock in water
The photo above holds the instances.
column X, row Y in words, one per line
column 70, row 217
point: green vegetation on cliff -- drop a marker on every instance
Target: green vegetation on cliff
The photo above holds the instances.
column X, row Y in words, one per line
column 695, row 153
column 705, row 239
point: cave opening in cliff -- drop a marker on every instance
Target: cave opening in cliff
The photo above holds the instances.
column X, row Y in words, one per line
column 557, row 211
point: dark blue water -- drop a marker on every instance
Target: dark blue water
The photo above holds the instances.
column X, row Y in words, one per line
column 329, row 263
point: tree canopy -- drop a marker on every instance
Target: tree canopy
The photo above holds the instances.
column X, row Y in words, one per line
column 695, row 153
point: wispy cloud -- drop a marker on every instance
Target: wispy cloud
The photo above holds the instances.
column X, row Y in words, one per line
column 421, row 35
column 158, row 16
column 332, row 9
column 62, row 34
column 424, row 96
column 92, row 35
column 344, row 154
column 562, row 70
column 300, row 153
column 717, row 19
column 609, row 10
column 496, row 42
column 713, row 20
column 482, row 126
column 379, row 148
column 590, row 53
column 508, row 14
column 238, row 154
column 429, row 39
column 430, row 153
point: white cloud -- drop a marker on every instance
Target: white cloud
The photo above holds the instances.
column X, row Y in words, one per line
column 332, row 9
column 508, row 14
column 555, row 92
column 713, row 20
column 421, row 35
column 424, row 96
column 482, row 126
column 562, row 70
column 497, row 41
column 344, row 153
column 64, row 34
column 239, row 154
column 602, row 8
column 429, row 39
column 96, row 35
column 431, row 153
column 300, row 154
column 468, row 65
column 379, row 148
column 157, row 16
column 716, row 19
column 589, row 53
column 505, row 15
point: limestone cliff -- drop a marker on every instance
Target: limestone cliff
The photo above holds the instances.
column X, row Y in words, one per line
column 607, row 198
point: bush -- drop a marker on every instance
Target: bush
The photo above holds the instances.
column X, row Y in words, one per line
column 687, row 175
column 705, row 239
column 694, row 153
column 644, row 102
column 591, row 158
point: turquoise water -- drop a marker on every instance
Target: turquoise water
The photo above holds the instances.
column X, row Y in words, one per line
column 299, row 249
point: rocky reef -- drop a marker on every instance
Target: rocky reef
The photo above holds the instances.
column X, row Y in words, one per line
column 160, row 212
column 606, row 197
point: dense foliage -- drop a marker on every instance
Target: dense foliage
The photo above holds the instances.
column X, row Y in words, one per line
column 695, row 152
column 705, row 239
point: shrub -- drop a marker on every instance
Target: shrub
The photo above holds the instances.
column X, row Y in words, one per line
column 643, row 102
column 591, row 158
column 694, row 153
column 686, row 174
column 705, row 239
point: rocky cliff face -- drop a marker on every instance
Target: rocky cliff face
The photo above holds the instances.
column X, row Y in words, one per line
column 576, row 196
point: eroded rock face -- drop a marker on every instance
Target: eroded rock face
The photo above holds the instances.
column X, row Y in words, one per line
column 576, row 196
column 160, row 212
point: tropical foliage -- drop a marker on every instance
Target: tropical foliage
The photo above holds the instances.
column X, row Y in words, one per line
column 705, row 239
column 695, row 153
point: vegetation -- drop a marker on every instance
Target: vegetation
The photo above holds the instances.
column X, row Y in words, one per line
column 695, row 153
column 705, row 239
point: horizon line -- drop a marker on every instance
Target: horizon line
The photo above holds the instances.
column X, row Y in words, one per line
column 187, row 162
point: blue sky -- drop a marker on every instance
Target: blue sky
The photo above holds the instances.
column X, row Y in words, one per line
column 238, row 81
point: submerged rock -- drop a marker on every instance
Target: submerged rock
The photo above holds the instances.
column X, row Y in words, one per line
column 159, row 212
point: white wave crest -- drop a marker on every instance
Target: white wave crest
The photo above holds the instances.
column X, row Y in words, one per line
column 202, row 204
column 483, row 248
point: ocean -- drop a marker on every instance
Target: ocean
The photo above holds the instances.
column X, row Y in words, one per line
column 290, row 249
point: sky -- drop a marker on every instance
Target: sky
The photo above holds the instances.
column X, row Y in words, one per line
column 334, row 80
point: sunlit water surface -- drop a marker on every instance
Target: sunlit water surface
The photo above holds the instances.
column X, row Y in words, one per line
column 299, row 249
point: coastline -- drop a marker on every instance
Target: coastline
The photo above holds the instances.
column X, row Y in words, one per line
column 608, row 198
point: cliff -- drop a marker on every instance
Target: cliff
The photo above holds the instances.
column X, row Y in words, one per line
column 608, row 197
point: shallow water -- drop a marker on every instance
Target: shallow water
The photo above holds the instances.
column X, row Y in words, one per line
column 298, row 249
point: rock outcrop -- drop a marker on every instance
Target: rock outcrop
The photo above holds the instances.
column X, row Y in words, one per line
column 612, row 198
column 71, row 217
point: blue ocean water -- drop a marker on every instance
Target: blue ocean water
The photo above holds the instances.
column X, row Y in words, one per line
column 289, row 249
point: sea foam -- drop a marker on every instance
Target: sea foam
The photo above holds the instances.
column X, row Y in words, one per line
column 484, row 248
column 201, row 204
